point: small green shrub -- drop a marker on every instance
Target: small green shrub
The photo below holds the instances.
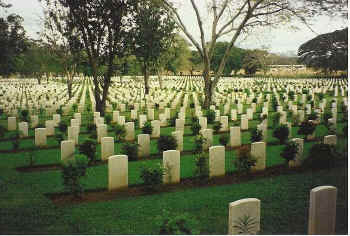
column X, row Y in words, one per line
column 152, row 177
column 210, row 116
column 290, row 151
column 182, row 224
column 130, row 149
column 108, row 119
column 75, row 107
column 172, row 121
column 166, row 142
column 59, row 137
column 88, row 148
column 306, row 128
column 72, row 172
column 224, row 139
column 256, row 135
column 321, row 156
column 216, row 126
column 91, row 127
column 244, row 161
column 24, row 115
column 119, row 132
column 147, row 128
column 276, row 119
column 199, row 140
column 2, row 131
column 312, row 116
column 63, row 126
column 281, row 133
column 195, row 128
column 202, row 166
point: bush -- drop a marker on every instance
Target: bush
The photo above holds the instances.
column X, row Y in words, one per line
column 88, row 148
column 63, row 126
column 202, row 166
column 306, row 128
column 130, row 149
column 182, row 224
column 147, row 128
column 216, row 126
column 210, row 116
column 256, row 135
column 194, row 119
column 312, row 116
column 281, row 133
column 152, row 177
column 195, row 127
column 91, row 127
column 276, row 119
column 108, row 119
column 326, row 115
column 119, row 132
column 2, row 131
column 199, row 140
column 172, row 121
column 75, row 107
column 24, row 115
column 244, row 161
column 290, row 151
column 59, row 137
column 224, row 139
column 321, row 156
column 72, row 172
column 166, row 142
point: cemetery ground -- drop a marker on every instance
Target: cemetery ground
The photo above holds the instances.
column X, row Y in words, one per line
column 33, row 198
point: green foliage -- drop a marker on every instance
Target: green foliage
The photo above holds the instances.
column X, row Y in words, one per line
column 166, row 142
column 72, row 172
column 24, row 115
column 59, row 137
column 172, row 121
column 289, row 151
column 216, row 126
column 182, row 224
column 195, row 127
column 202, row 166
column 326, row 115
column 2, row 131
column 223, row 140
column 312, row 116
column 244, row 161
column 291, row 95
column 15, row 140
column 152, row 177
column 119, row 132
column 245, row 225
column 130, row 149
column 63, row 126
column 281, row 133
column 199, row 140
column 321, row 156
column 91, row 127
column 210, row 116
column 276, row 119
column 108, row 119
column 306, row 128
column 256, row 135
column 75, row 107
column 88, row 148
column 254, row 60
column 147, row 128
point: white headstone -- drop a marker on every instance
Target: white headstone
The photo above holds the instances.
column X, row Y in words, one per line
column 117, row 172
column 171, row 163
column 216, row 161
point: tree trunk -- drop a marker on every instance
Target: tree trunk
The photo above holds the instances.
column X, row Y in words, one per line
column 39, row 79
column 207, row 86
column 69, row 86
column 146, row 78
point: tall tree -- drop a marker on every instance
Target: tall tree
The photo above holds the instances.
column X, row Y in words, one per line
column 152, row 35
column 255, row 60
column 12, row 42
column 326, row 51
column 101, row 27
column 231, row 18
column 234, row 58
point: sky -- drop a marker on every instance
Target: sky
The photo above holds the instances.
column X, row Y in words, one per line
column 279, row 40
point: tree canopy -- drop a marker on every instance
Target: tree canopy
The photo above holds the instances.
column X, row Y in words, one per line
column 326, row 51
